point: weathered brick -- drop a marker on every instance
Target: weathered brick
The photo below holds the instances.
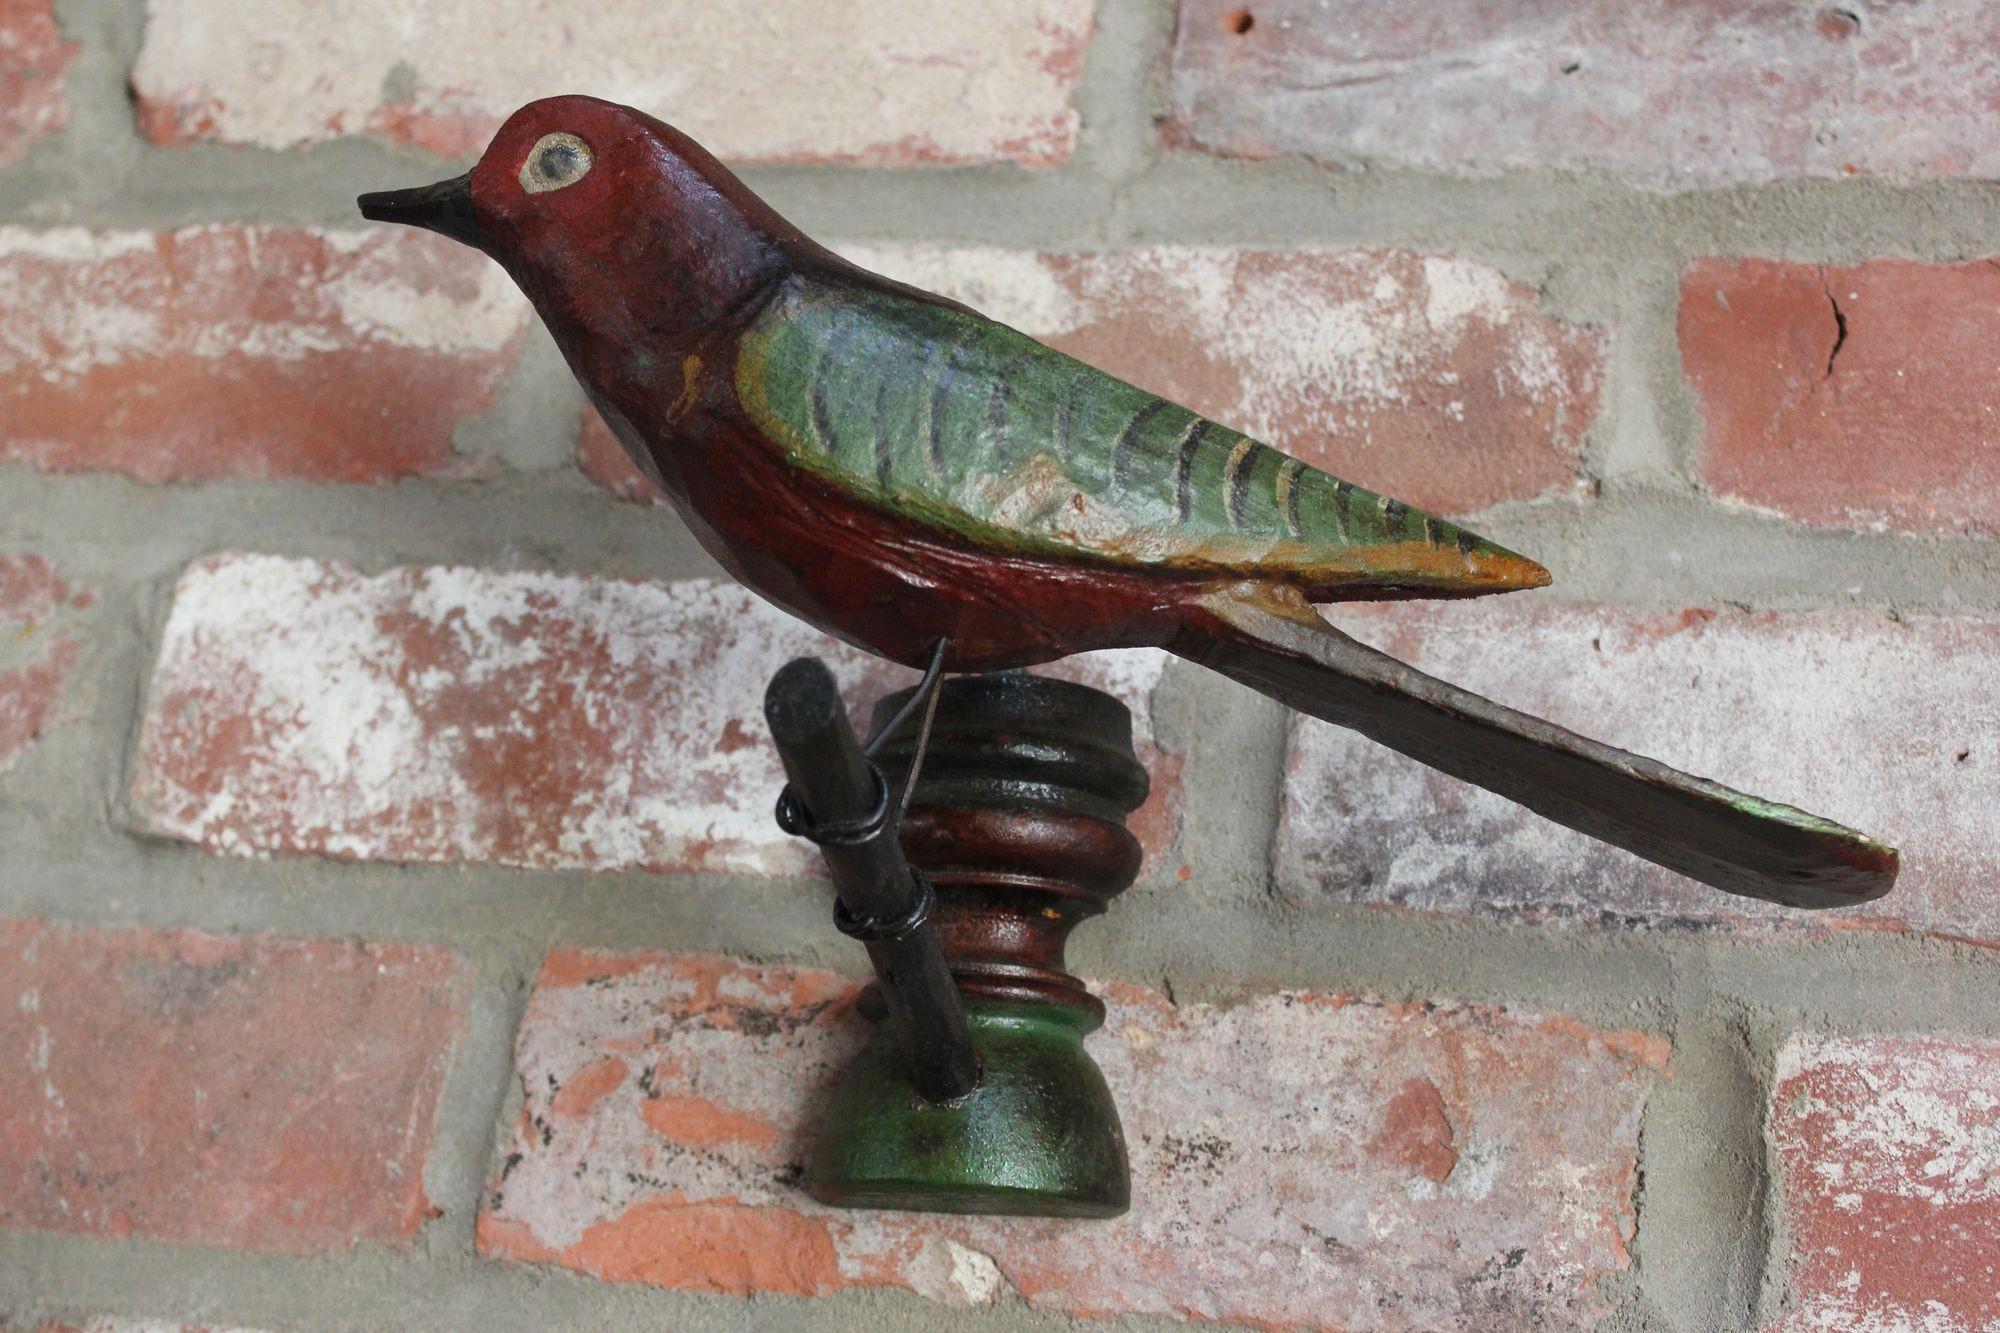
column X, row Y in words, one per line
column 1889, row 1153
column 448, row 714
column 1677, row 96
column 1429, row 378
column 255, row 1092
column 33, row 56
column 1887, row 725
column 228, row 351
column 880, row 82
column 1840, row 396
column 1299, row 1160
column 39, row 651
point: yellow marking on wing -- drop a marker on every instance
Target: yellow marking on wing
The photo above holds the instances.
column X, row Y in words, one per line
column 690, row 372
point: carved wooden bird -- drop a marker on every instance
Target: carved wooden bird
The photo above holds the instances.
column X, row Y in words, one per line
column 899, row 470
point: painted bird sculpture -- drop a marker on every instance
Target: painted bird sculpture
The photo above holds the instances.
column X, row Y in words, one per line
column 901, row 471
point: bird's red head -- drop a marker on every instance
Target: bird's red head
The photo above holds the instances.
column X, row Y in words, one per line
column 612, row 222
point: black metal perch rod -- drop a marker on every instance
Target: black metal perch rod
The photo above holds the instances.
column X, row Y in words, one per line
column 840, row 800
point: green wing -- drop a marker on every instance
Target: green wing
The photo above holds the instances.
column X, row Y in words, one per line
column 968, row 425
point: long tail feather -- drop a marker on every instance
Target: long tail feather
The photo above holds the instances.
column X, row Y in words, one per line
column 1271, row 640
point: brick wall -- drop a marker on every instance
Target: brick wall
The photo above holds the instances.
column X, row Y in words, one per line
column 392, row 932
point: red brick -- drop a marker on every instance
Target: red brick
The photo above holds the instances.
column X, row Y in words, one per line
column 224, row 351
column 1299, row 1160
column 1889, row 1154
column 1887, row 725
column 876, row 82
column 453, row 714
column 33, row 57
column 1426, row 377
column 39, row 651
column 1672, row 97
column 253, row 1092
column 1841, row 396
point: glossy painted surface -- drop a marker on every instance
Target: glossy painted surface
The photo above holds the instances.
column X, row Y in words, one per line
column 1040, row 1135
column 1019, row 820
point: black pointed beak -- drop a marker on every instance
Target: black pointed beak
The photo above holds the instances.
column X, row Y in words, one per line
column 445, row 208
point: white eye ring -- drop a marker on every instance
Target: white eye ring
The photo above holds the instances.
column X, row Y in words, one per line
column 556, row 160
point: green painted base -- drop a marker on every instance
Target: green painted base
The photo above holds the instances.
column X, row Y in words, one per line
column 1040, row 1135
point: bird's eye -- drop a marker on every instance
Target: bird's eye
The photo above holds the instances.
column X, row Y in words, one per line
column 556, row 160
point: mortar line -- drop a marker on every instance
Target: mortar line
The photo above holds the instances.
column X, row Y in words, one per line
column 373, row 1288
column 478, row 1087
column 1688, row 1287
column 1773, row 1278
column 1604, row 550
column 1216, row 948
column 1172, row 196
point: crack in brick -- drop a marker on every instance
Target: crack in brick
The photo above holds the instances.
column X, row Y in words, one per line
column 1839, row 324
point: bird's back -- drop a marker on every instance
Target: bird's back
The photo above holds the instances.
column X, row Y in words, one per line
column 935, row 412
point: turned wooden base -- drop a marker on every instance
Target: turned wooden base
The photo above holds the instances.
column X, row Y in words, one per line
column 1019, row 820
